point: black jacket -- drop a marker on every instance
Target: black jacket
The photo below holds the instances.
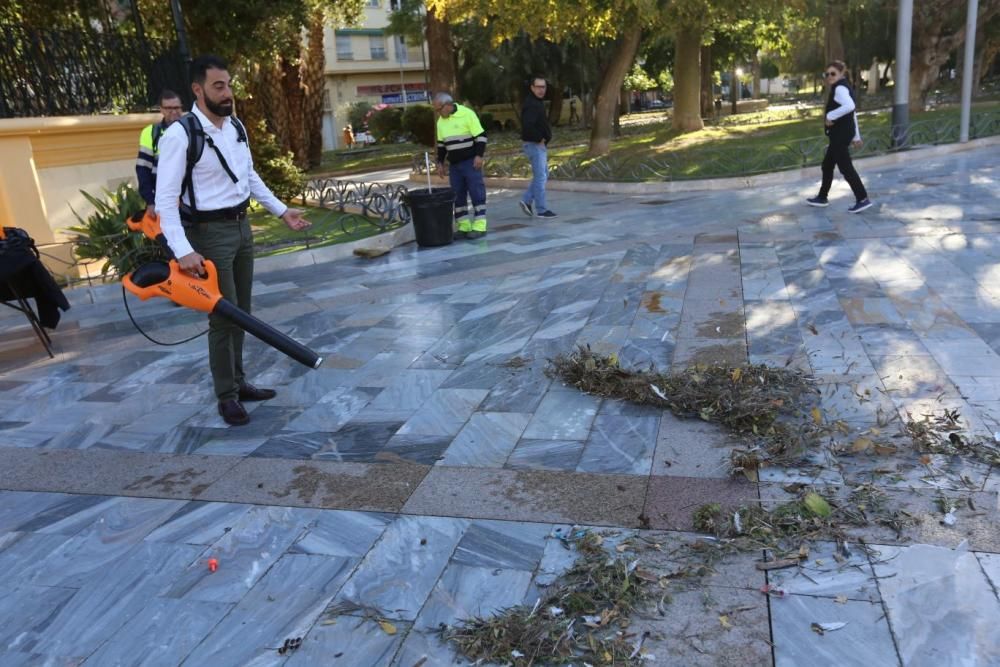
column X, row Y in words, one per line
column 842, row 130
column 534, row 121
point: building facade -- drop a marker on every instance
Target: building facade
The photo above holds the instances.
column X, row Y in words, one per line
column 364, row 64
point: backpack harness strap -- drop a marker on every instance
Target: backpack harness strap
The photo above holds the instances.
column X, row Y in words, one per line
column 197, row 140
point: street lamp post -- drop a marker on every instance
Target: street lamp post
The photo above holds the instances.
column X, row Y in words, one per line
column 970, row 54
column 901, row 74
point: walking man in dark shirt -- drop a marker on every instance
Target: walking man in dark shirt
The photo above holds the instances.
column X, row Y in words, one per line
column 536, row 134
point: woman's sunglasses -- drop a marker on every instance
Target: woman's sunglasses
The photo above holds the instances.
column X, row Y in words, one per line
column 831, row 73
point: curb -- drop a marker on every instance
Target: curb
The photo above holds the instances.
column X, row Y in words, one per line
column 735, row 182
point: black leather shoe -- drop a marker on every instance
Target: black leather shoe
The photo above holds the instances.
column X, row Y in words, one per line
column 233, row 413
column 248, row 392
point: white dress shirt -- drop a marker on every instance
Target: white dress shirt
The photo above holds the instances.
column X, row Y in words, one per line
column 213, row 189
column 842, row 97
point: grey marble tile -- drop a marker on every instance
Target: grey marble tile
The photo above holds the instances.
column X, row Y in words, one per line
column 331, row 411
column 445, row 413
column 199, row 522
column 865, row 640
column 520, row 392
column 486, row 440
column 465, row 592
column 340, row 533
column 20, row 553
column 502, row 544
column 827, row 572
column 546, row 455
column 424, row 647
column 349, row 641
column 293, row 445
column 245, row 553
column 991, row 566
column 620, row 444
column 422, row 449
column 563, row 415
column 230, row 447
column 163, row 633
column 940, row 605
column 409, row 390
column 396, row 576
column 359, row 442
column 108, row 536
column 101, row 607
column 30, row 510
column 285, row 603
column 27, row 610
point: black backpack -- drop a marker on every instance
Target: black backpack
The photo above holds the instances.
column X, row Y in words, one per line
column 197, row 139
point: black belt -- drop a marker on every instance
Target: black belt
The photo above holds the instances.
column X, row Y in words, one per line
column 233, row 213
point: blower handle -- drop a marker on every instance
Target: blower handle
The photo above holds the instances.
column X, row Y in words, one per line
column 267, row 334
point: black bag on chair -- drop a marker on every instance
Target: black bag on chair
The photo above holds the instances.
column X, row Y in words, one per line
column 23, row 274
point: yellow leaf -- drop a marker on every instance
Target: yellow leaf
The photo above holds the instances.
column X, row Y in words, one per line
column 387, row 627
column 724, row 621
column 816, row 504
column 861, row 445
column 737, row 373
column 817, row 415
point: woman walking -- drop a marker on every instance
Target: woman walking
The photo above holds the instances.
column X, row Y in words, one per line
column 842, row 129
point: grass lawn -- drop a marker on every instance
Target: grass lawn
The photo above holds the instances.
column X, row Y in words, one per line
column 731, row 150
column 369, row 158
column 329, row 227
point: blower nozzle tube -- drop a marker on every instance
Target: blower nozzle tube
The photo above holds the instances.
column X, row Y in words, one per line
column 267, row 334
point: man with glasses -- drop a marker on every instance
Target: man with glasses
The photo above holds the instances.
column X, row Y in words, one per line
column 462, row 140
column 842, row 129
column 536, row 135
column 149, row 143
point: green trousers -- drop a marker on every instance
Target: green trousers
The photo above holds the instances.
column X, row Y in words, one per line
column 229, row 244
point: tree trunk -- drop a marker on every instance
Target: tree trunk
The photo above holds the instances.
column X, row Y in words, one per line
column 611, row 82
column 735, row 88
column 275, row 104
column 292, row 83
column 556, row 104
column 687, row 79
column 755, row 68
column 873, row 78
column 624, row 101
column 313, row 80
column 440, row 54
column 834, row 30
column 707, row 98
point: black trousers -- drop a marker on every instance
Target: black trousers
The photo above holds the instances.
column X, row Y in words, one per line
column 839, row 154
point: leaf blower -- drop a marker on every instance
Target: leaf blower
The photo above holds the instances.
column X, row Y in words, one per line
column 202, row 293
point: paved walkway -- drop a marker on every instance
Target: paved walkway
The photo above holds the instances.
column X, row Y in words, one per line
column 420, row 477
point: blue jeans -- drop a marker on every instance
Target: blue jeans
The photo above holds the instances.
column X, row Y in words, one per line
column 538, row 155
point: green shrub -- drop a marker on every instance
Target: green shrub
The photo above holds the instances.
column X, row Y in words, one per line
column 104, row 236
column 419, row 123
column 357, row 113
column 386, row 125
column 486, row 120
column 275, row 168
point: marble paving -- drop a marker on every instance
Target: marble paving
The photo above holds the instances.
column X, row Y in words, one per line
column 428, row 470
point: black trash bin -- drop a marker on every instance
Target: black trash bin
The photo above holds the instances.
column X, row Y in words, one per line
column 433, row 214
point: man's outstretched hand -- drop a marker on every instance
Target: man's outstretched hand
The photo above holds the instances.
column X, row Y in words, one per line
column 293, row 218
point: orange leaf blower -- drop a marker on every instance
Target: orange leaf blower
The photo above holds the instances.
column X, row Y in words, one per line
column 202, row 293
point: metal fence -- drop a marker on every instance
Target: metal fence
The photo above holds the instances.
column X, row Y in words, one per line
column 52, row 72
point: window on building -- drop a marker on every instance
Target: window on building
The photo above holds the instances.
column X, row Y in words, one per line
column 402, row 55
column 344, row 50
column 377, row 45
column 374, row 4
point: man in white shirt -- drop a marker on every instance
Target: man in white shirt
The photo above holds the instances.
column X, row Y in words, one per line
column 203, row 216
